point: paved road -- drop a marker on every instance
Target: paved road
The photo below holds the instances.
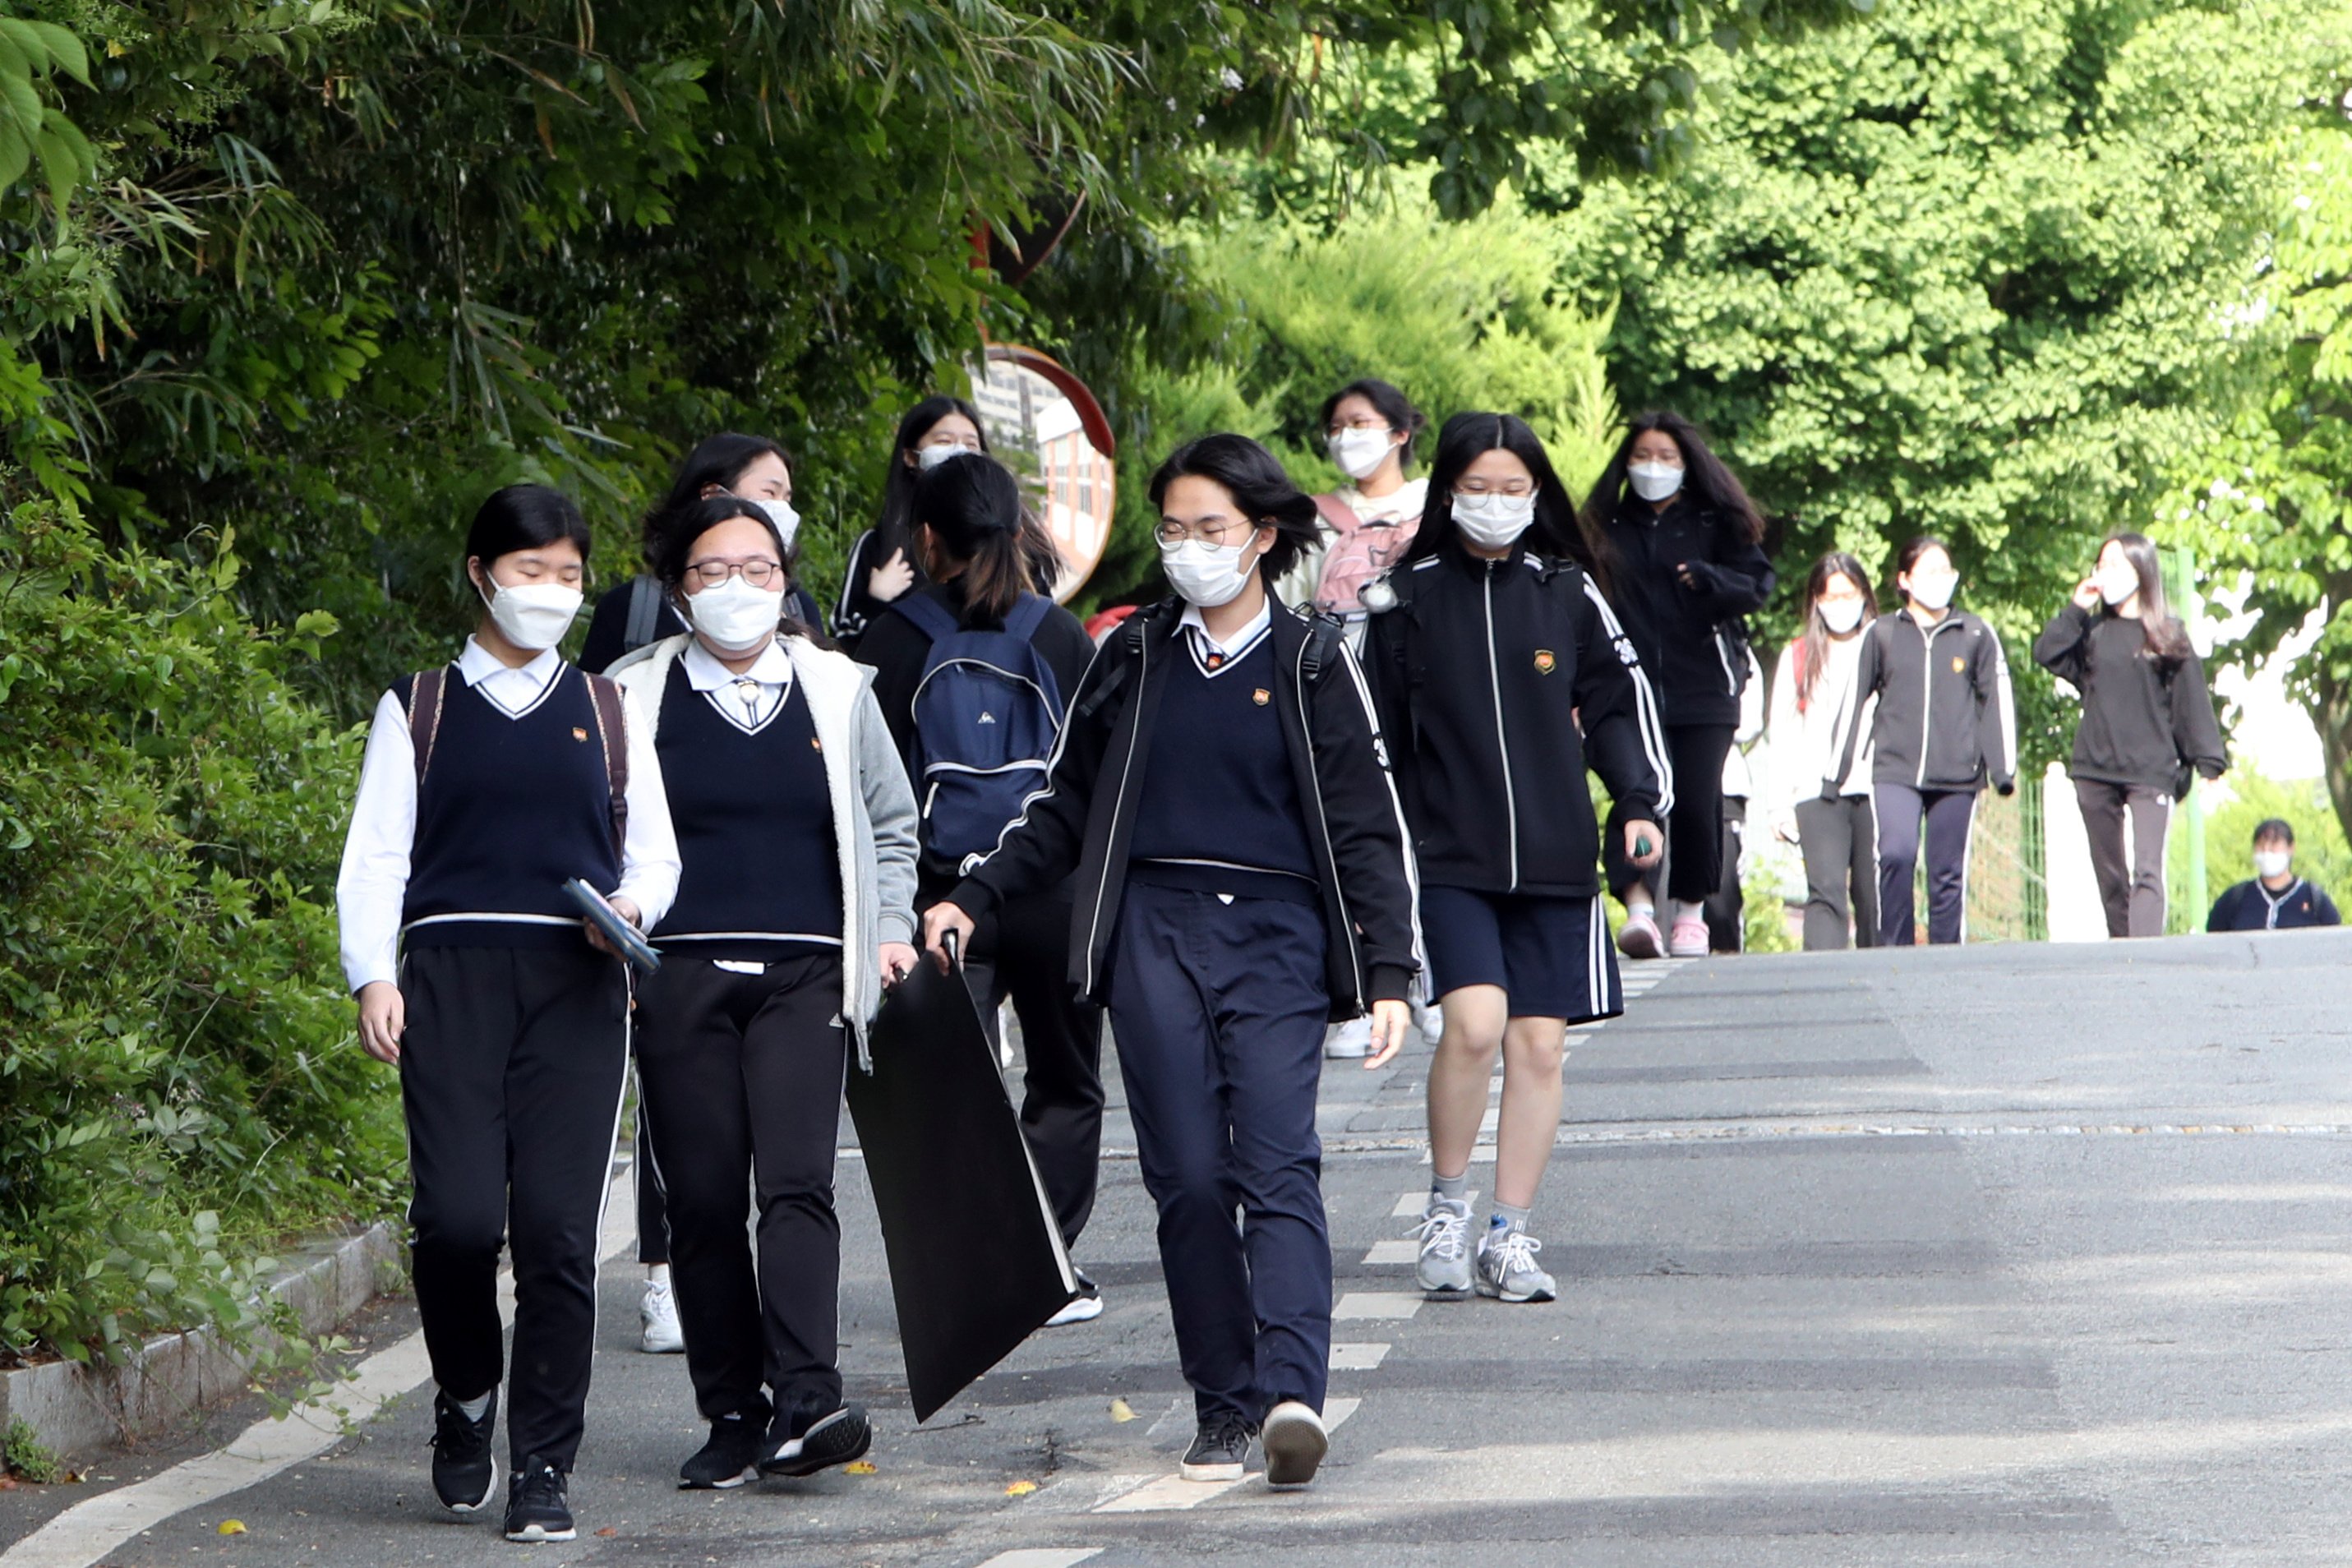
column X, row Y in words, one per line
column 2026, row 1255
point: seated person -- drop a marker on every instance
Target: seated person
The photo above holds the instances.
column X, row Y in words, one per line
column 2276, row 900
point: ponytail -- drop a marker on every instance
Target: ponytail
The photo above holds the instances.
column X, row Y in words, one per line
column 972, row 504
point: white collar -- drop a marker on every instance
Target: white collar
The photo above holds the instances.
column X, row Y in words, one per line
column 705, row 673
column 512, row 687
column 1244, row 640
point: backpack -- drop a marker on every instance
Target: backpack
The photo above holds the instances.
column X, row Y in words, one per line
column 987, row 713
column 1359, row 551
column 427, row 687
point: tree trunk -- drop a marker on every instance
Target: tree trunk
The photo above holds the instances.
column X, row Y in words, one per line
column 2332, row 709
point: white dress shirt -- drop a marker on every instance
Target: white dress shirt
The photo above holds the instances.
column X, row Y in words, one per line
column 1212, row 655
column 746, row 700
column 374, row 883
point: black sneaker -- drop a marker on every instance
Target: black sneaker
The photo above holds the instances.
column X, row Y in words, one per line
column 1221, row 1451
column 537, row 1506
column 729, row 1458
column 830, row 1440
column 464, row 1473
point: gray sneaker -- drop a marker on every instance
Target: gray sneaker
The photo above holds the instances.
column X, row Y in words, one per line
column 1506, row 1268
column 1443, row 1269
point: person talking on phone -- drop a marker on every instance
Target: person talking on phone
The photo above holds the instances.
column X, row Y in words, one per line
column 487, row 785
column 1499, row 672
column 1220, row 792
column 2146, row 730
column 795, row 909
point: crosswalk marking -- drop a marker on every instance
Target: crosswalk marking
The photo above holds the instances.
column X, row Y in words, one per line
column 1043, row 1557
column 1402, row 1250
column 1357, row 1305
column 1366, row 1357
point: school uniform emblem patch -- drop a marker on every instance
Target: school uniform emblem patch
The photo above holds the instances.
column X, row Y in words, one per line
column 1545, row 662
column 1261, row 697
column 578, row 733
column 815, row 744
column 1958, row 664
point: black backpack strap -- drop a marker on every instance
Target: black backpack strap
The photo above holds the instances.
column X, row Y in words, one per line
column 1323, row 635
column 425, row 690
column 1028, row 615
column 612, row 729
column 644, row 613
column 1130, row 634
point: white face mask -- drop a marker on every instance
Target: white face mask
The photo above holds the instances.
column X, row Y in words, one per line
column 1359, row 453
column 736, row 616
column 1206, row 575
column 2273, row 862
column 1655, row 481
column 533, row 616
column 1934, row 592
column 2117, row 584
column 1841, row 616
column 930, row 458
column 781, row 513
column 1493, row 521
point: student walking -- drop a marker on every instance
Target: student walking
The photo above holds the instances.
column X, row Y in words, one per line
column 1812, row 703
column 2147, row 729
column 1944, row 725
column 489, row 784
column 796, row 832
column 1499, row 674
column 1368, row 429
column 1679, row 548
column 972, row 672
column 1242, row 879
column 2275, row 898
column 639, row 612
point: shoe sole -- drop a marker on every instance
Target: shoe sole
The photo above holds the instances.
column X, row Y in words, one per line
column 478, row 1503
column 1294, row 1451
column 537, row 1535
column 1192, row 1472
column 1497, row 1293
column 748, row 1471
column 647, row 1347
column 802, row 1464
column 1635, row 943
column 1443, row 1292
column 1085, row 1309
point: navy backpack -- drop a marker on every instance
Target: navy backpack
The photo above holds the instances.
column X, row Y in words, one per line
column 987, row 713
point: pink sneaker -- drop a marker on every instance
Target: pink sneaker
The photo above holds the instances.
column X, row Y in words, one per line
column 1689, row 939
column 1638, row 937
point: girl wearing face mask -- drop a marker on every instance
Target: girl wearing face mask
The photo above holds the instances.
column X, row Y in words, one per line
column 2147, row 724
column 487, row 785
column 973, row 533
column 1679, row 548
column 1812, row 698
column 640, row 612
column 1242, row 881
column 1368, row 429
column 795, row 909
column 1500, row 674
column 1944, row 724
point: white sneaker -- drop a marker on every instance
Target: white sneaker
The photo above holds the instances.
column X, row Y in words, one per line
column 1295, row 1443
column 1507, row 1270
column 1350, row 1041
column 1688, row 939
column 1443, row 1269
column 1084, row 1308
column 657, row 1315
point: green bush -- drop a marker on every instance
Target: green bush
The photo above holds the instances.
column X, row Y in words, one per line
column 178, row 1084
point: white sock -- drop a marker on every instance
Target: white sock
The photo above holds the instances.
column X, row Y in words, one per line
column 1640, row 907
column 656, row 1273
column 472, row 1409
column 1686, row 911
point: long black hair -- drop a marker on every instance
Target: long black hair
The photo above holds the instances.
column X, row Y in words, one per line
column 895, row 528
column 1391, row 405
column 1707, row 482
column 1814, row 640
column 719, row 460
column 1463, row 441
column 524, row 517
column 674, row 538
column 2166, row 639
column 972, row 506
column 1260, row 487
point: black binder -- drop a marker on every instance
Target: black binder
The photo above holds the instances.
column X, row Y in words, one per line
column 977, row 1263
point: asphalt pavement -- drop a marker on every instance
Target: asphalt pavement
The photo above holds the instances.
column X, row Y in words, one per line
column 2004, row 1254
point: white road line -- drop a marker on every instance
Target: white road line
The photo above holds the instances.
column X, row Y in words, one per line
column 1358, row 1305
column 1402, row 1250
column 1358, row 1357
column 1043, row 1557
column 90, row 1530
column 1410, row 1205
column 1336, row 1411
column 1169, row 1493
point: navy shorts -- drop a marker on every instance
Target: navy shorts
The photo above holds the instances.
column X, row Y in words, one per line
column 1550, row 955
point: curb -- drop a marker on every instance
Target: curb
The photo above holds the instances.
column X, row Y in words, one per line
column 75, row 1408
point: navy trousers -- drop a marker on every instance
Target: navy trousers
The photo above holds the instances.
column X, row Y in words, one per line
column 1218, row 1009
column 1948, row 815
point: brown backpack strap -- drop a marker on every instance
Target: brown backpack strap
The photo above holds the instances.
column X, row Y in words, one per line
column 424, row 694
column 612, row 728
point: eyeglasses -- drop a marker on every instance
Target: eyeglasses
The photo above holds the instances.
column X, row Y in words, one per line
column 1489, row 488
column 1229, row 532
column 759, row 573
column 1362, row 422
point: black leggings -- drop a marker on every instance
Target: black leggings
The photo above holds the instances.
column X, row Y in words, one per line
column 1693, row 830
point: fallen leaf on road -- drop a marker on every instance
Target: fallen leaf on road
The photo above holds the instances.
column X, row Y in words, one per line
column 1021, row 1488
column 232, row 1527
column 608, row 1530
column 1121, row 1410
column 862, row 1468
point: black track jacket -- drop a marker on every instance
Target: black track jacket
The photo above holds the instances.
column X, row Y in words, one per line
column 1685, row 635
column 1482, row 674
column 1946, row 717
column 1083, row 819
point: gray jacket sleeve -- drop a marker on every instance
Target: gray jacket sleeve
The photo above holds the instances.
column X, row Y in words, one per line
column 890, row 807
